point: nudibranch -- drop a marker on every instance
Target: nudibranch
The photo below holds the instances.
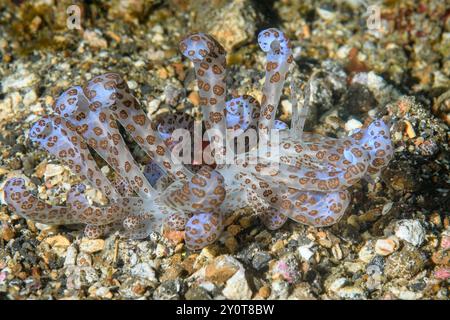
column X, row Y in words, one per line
column 306, row 180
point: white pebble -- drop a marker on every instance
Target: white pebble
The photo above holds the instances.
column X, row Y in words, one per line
column 105, row 170
column 53, row 170
column 372, row 113
column 19, row 80
column 16, row 99
column 161, row 251
column 410, row 231
column 144, row 270
column 352, row 124
column 371, row 80
column 367, row 252
column 343, row 52
column 305, row 252
column 279, row 290
column 29, row 98
column 71, row 256
column 385, row 247
column 386, row 208
column 351, row 292
column 153, row 106
column 337, row 284
column 45, row 227
column 139, row 64
column 92, row 245
column 6, row 108
column 326, row 14
column 36, row 108
column 94, row 39
column 132, row 84
column 237, row 287
column 103, row 292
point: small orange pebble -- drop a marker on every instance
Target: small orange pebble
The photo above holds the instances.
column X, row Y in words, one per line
column 234, row 229
column 176, row 259
column 113, row 35
column 139, row 289
column 354, row 65
column 32, row 226
column 7, row 58
column 264, row 292
column 446, row 222
column 49, row 101
column 419, row 141
column 219, row 273
column 22, row 275
column 179, row 248
column 305, row 267
column 188, row 263
column 7, row 233
column 163, row 73
column 179, row 70
column 245, row 222
column 321, row 235
column 278, row 246
column 306, row 32
column 194, row 98
column 435, row 218
column 231, row 244
column 171, row 273
column 36, row 272
column 175, row 237
column 441, row 257
column 230, row 219
column 409, row 129
column 54, row 275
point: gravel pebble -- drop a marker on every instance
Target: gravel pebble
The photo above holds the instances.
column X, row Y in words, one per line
column 92, row 245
